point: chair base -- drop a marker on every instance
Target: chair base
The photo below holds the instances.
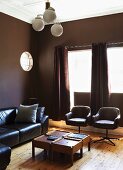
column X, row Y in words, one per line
column 106, row 138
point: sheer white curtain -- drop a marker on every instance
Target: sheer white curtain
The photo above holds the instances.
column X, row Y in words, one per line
column 115, row 67
column 79, row 65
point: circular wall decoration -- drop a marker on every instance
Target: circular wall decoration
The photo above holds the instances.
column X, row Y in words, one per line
column 26, row 61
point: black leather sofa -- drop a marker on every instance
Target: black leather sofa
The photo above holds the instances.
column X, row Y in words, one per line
column 13, row 133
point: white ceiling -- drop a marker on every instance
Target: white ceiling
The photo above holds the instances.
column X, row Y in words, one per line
column 66, row 10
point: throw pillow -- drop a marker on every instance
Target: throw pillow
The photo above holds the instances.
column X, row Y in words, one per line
column 27, row 114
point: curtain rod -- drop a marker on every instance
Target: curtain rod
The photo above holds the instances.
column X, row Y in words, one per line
column 115, row 43
column 79, row 46
column 90, row 45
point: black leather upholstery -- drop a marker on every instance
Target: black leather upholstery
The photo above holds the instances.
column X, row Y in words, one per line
column 5, row 156
column 12, row 133
column 9, row 137
column 44, row 124
column 26, row 131
column 107, row 118
column 7, row 115
column 78, row 116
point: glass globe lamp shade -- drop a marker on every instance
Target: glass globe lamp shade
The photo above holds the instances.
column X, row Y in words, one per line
column 49, row 15
column 57, row 30
column 38, row 23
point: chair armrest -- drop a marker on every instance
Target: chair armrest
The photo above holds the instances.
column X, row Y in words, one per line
column 117, row 119
column 44, row 124
column 95, row 117
column 89, row 117
column 68, row 115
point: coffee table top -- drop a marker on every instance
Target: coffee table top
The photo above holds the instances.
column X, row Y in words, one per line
column 45, row 138
column 58, row 133
column 66, row 142
column 55, row 135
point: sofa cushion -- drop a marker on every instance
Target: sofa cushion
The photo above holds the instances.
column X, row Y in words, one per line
column 27, row 131
column 9, row 137
column 26, row 114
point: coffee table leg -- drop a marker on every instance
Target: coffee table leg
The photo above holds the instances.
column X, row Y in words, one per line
column 89, row 145
column 45, row 153
column 81, row 152
column 50, row 154
column 33, row 151
column 71, row 159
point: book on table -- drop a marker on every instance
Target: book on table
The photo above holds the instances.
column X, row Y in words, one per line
column 76, row 135
column 51, row 137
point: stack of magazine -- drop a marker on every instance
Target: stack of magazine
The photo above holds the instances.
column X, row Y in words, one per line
column 78, row 136
column 74, row 136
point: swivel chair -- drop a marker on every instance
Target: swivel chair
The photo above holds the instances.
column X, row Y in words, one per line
column 78, row 116
column 107, row 118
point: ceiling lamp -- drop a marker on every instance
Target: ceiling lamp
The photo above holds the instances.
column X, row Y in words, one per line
column 49, row 16
column 38, row 23
column 57, row 30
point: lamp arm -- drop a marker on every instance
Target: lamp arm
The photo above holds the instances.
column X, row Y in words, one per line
column 47, row 4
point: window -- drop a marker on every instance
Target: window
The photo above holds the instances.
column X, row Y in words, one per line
column 115, row 68
column 79, row 65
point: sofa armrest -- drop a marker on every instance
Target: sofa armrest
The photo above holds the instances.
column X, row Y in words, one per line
column 5, row 156
column 44, row 124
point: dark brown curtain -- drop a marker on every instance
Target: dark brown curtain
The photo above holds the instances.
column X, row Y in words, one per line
column 99, row 83
column 61, row 83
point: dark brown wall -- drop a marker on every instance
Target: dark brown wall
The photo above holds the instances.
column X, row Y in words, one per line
column 86, row 31
column 15, row 38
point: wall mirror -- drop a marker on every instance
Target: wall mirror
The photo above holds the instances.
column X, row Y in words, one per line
column 26, row 61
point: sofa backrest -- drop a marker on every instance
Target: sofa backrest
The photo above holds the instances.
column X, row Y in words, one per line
column 7, row 115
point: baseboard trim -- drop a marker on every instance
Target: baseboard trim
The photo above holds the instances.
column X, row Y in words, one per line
column 62, row 124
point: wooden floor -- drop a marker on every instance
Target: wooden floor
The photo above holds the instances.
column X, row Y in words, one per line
column 101, row 157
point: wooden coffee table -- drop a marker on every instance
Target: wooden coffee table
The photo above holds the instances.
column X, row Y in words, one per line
column 63, row 144
column 44, row 143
